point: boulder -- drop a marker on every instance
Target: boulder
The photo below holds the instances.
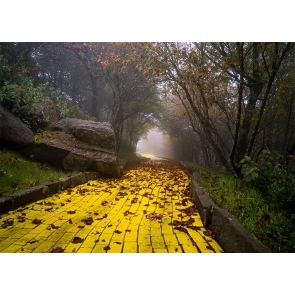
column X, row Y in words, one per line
column 96, row 133
column 70, row 146
column 12, row 129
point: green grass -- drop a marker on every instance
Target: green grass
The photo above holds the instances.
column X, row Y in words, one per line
column 18, row 173
column 273, row 227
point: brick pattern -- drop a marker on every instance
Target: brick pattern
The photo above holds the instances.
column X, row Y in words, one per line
column 134, row 214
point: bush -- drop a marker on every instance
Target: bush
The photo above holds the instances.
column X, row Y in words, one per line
column 275, row 181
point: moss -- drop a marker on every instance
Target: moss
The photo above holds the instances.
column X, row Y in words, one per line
column 37, row 139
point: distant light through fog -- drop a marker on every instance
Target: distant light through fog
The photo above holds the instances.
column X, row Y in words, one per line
column 154, row 144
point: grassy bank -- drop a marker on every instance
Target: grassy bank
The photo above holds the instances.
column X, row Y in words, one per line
column 273, row 226
column 18, row 173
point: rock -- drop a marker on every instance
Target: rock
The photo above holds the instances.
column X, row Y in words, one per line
column 96, row 133
column 43, row 114
column 12, row 129
column 75, row 144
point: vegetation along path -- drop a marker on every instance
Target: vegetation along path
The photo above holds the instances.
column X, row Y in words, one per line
column 148, row 210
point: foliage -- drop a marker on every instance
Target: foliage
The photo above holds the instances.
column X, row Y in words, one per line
column 18, row 173
column 19, row 94
column 274, row 228
column 275, row 181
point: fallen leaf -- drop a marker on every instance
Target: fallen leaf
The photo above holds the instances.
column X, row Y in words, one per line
column 117, row 242
column 77, row 240
column 88, row 221
column 54, row 226
column 209, row 247
column 57, row 250
column 117, row 232
column 70, row 221
column 71, row 212
column 106, row 248
column 81, row 226
column 36, row 221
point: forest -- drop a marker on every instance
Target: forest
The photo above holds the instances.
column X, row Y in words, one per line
column 229, row 106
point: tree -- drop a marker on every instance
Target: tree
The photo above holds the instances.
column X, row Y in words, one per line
column 227, row 89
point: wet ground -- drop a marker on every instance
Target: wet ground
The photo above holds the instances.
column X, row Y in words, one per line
column 148, row 210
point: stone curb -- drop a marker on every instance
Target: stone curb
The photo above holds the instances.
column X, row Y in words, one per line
column 229, row 232
column 44, row 190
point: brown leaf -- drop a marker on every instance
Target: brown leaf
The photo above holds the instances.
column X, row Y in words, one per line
column 77, row 240
column 88, row 221
column 70, row 221
column 117, row 242
column 54, row 226
column 49, row 203
column 36, row 221
column 209, row 247
column 71, row 212
column 103, row 203
column 106, row 248
column 20, row 219
column 81, row 226
column 180, row 228
column 57, row 250
column 128, row 230
column 117, row 232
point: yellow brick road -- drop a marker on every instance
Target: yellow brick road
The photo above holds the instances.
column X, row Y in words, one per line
column 148, row 210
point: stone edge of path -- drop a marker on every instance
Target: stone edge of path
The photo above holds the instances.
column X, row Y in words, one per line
column 44, row 190
column 230, row 234
column 48, row 188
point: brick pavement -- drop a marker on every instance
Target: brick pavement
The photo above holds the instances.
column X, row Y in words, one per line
column 148, row 210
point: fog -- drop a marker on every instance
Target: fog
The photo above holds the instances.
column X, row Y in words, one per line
column 156, row 144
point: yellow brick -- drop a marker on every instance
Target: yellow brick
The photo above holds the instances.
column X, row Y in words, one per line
column 144, row 230
column 99, row 248
column 196, row 236
column 115, row 248
column 160, row 250
column 158, row 242
column 130, row 247
column 145, row 249
column 174, row 249
column 84, row 250
column 67, row 238
column 9, row 232
column 38, row 229
column 183, row 238
column 156, row 231
column 104, row 238
column 144, row 240
column 72, row 248
column 189, row 248
column 203, row 248
column 171, row 240
column 44, row 247
column 167, row 230
column 11, row 249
